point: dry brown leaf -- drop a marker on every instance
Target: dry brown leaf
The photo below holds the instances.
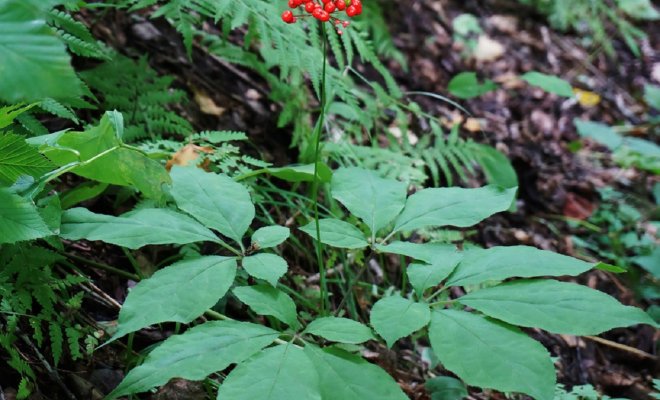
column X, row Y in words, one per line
column 473, row 125
column 207, row 105
column 187, row 154
column 488, row 49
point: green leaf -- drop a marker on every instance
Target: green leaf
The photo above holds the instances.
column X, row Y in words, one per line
column 424, row 276
column 490, row 354
column 446, row 388
column 601, row 133
column 466, row 86
column 499, row 263
column 427, row 252
column 341, row 330
column 270, row 236
column 266, row 300
column 496, row 166
column 549, row 83
column 652, row 96
column 277, row 373
column 178, row 293
column 266, row 266
column 215, row 200
column 395, row 317
column 344, row 376
column 558, row 307
column 453, row 207
column 195, row 354
column 34, row 62
column 82, row 192
column 302, row 173
column 18, row 158
column 375, row 200
column 106, row 159
column 19, row 219
column 337, row 233
column 640, row 9
column 134, row 229
column 9, row 113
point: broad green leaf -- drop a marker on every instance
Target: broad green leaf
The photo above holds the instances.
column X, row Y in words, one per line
column 266, row 300
column 266, row 266
column 344, row 376
column 302, row 173
column 193, row 355
column 499, row 263
column 446, row 388
column 491, row 354
column 558, row 307
column 640, row 9
column 375, row 200
column 428, row 252
column 466, row 86
column 82, row 192
column 341, row 330
column 496, row 166
column 270, row 236
column 549, row 83
column 106, row 159
column 215, row 200
column 337, row 233
column 19, row 219
column 178, row 293
column 134, row 229
column 424, row 276
column 395, row 317
column 9, row 113
column 601, row 133
column 650, row 262
column 453, row 207
column 34, row 62
column 652, row 96
column 278, row 373
column 19, row 158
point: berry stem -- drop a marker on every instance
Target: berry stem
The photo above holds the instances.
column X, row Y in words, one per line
column 315, row 185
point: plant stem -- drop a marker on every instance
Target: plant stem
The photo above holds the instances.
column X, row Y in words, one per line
column 315, row 185
column 103, row 267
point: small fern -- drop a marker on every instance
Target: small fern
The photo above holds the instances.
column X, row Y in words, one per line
column 143, row 97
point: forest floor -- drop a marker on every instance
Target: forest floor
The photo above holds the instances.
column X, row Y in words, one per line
column 533, row 129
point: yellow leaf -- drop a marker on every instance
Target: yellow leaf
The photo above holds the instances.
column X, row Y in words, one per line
column 586, row 98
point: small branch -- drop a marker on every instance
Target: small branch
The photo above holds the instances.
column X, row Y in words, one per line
column 103, row 267
column 622, row 347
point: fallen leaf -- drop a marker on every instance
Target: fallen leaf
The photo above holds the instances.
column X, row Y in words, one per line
column 586, row 98
column 207, row 105
column 473, row 125
column 578, row 207
column 186, row 155
column 488, row 49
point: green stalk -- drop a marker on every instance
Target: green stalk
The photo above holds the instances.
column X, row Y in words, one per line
column 315, row 185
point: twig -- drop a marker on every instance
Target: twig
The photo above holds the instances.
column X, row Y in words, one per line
column 623, row 347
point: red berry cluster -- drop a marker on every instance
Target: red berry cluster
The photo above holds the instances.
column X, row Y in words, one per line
column 323, row 10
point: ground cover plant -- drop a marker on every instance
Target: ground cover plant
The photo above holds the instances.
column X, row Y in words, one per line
column 152, row 245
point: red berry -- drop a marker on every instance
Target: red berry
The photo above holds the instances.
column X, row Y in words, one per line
column 292, row 3
column 321, row 15
column 351, row 11
column 287, row 16
column 340, row 4
column 329, row 7
column 310, row 6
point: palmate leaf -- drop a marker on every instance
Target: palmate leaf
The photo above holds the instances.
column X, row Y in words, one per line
column 178, row 293
column 453, row 207
column 337, row 233
column 491, row 354
column 395, row 317
column 215, row 200
column 502, row 262
column 558, row 307
column 193, row 355
column 280, row 372
column 34, row 63
column 266, row 266
column 19, row 158
column 341, row 330
column 19, row 219
column 266, row 300
column 134, row 229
